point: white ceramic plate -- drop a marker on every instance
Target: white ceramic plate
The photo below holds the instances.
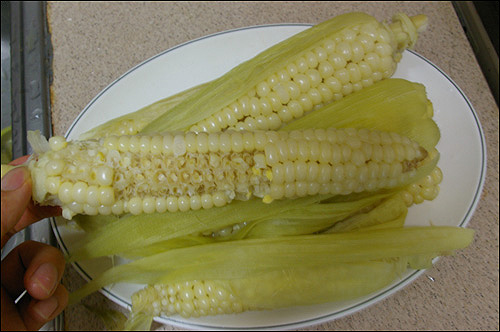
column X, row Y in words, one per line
column 462, row 147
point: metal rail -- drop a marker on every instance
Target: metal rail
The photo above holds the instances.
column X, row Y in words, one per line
column 29, row 107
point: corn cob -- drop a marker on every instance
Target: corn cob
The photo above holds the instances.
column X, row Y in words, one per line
column 216, row 297
column 315, row 67
column 278, row 272
column 183, row 171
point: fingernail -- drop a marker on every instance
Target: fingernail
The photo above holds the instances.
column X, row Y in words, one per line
column 14, row 179
column 45, row 278
column 46, row 308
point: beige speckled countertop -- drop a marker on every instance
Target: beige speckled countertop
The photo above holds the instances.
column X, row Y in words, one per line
column 96, row 42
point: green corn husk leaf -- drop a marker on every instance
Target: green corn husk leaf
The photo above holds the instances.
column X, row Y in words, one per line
column 394, row 105
column 295, row 286
column 307, row 219
column 223, row 261
column 139, row 119
column 391, row 213
column 395, row 223
column 304, row 220
column 235, row 83
column 162, row 246
column 131, row 232
column 131, row 236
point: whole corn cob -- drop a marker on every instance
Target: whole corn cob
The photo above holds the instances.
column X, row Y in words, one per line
column 315, row 67
column 199, row 298
column 279, row 272
column 182, row 171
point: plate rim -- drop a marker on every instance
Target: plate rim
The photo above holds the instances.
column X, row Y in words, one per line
column 370, row 298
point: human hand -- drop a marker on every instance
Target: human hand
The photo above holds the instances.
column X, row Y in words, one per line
column 31, row 266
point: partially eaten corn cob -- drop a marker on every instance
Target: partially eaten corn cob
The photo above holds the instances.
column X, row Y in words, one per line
column 183, row 171
column 315, row 67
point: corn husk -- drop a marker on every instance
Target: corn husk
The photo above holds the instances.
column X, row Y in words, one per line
column 237, row 260
column 133, row 123
column 393, row 105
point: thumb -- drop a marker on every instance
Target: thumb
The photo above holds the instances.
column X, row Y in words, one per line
column 16, row 195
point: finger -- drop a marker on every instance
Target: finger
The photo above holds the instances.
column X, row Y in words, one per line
column 39, row 312
column 34, row 266
column 19, row 161
column 34, row 213
column 10, row 204
column 16, row 195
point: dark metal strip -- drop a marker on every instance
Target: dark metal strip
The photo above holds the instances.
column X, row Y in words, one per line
column 30, row 57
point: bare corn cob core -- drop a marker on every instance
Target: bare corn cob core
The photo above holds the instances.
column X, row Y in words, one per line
column 178, row 172
column 338, row 65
